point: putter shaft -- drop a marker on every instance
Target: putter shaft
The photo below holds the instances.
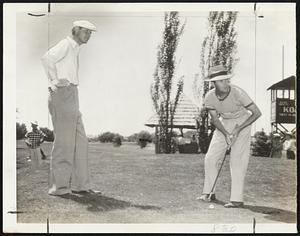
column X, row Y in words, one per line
column 228, row 149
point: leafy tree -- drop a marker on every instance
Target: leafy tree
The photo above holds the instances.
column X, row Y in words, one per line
column 133, row 138
column 161, row 89
column 109, row 137
column 218, row 48
column 106, row 137
column 21, row 130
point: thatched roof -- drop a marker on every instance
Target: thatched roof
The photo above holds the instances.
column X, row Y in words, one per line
column 185, row 115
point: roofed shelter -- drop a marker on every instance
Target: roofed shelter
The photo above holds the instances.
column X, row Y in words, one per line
column 184, row 118
column 283, row 111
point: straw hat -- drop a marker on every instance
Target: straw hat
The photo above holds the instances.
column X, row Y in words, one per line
column 218, row 72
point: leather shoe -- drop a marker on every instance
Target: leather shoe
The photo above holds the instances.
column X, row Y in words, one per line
column 91, row 191
column 205, row 197
column 234, row 204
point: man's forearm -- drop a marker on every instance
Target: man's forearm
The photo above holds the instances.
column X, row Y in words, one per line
column 217, row 123
column 50, row 69
column 249, row 121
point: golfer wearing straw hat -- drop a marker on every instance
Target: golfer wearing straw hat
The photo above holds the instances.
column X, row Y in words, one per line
column 232, row 112
column 69, row 159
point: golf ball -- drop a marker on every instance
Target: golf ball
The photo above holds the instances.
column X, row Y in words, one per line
column 211, row 206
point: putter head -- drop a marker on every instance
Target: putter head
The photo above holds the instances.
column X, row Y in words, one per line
column 208, row 199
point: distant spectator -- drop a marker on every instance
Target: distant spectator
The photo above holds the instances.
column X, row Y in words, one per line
column 290, row 146
column 33, row 141
column 276, row 151
column 183, row 140
column 193, row 140
column 175, row 144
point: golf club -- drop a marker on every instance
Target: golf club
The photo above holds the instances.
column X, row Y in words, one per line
column 227, row 152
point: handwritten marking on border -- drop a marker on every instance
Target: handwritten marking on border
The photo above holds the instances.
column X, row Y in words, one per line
column 224, row 228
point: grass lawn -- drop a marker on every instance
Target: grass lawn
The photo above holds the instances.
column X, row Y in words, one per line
column 140, row 187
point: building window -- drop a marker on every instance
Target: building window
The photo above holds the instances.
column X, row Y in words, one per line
column 292, row 94
column 286, row 93
column 279, row 94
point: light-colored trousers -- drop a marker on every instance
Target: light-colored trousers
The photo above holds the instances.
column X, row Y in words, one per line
column 239, row 157
column 69, row 159
column 36, row 158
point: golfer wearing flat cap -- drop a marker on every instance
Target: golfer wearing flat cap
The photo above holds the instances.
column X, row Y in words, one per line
column 69, row 159
column 232, row 112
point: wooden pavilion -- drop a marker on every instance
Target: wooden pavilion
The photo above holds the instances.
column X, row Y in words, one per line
column 184, row 118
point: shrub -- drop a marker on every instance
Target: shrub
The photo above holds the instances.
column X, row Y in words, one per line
column 143, row 138
column 261, row 146
column 117, row 140
column 109, row 137
column 93, row 139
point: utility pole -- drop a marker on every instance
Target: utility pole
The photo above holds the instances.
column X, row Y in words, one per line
column 255, row 20
column 282, row 53
column 255, row 46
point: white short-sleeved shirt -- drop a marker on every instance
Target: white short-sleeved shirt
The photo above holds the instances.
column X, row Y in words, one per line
column 64, row 58
column 237, row 100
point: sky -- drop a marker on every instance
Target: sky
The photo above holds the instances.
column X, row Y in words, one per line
column 117, row 64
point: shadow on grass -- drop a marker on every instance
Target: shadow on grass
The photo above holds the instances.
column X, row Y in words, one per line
column 274, row 213
column 271, row 213
column 98, row 202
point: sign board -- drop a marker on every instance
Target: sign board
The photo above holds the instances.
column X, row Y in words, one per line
column 285, row 111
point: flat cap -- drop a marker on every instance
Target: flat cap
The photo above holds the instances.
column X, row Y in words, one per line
column 84, row 24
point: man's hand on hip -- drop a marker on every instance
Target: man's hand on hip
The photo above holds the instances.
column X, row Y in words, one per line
column 58, row 83
column 52, row 88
